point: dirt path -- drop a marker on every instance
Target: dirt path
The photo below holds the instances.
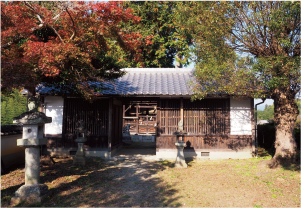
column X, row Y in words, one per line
column 136, row 181
column 115, row 183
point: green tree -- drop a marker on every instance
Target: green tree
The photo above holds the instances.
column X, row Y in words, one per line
column 250, row 49
column 12, row 106
column 4, row 120
column 157, row 20
column 267, row 113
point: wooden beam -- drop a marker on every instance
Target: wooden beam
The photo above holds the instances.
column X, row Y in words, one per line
column 158, row 129
column 64, row 130
column 123, row 115
column 137, row 115
column 182, row 116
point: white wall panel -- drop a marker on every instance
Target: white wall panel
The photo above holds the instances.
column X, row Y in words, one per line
column 240, row 116
column 54, row 108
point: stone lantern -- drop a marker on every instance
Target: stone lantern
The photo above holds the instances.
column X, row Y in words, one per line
column 33, row 132
column 180, row 144
column 80, row 139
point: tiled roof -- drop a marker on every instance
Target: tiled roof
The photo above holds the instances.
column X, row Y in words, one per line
column 147, row 81
column 150, row 81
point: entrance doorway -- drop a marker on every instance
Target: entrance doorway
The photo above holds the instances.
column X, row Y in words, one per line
column 140, row 120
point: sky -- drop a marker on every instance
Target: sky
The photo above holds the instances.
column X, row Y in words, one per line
column 266, row 102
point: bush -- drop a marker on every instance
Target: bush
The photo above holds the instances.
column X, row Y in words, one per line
column 12, row 106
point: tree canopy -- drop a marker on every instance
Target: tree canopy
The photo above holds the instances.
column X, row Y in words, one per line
column 247, row 48
column 250, row 49
column 157, row 20
column 67, row 43
column 12, row 106
column 267, row 113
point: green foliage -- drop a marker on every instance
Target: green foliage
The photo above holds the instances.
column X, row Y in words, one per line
column 12, row 106
column 244, row 48
column 266, row 114
column 252, row 49
column 168, row 39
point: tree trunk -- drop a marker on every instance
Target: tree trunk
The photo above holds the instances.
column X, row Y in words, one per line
column 285, row 115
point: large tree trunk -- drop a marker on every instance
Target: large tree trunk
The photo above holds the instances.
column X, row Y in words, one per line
column 285, row 115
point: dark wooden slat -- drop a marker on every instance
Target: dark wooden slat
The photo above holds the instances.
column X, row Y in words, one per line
column 232, row 143
column 94, row 116
column 110, row 124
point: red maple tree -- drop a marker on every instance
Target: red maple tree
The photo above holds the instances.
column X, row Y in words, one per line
column 67, row 43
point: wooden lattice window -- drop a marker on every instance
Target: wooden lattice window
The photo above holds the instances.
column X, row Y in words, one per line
column 207, row 116
column 94, row 115
column 141, row 116
column 169, row 116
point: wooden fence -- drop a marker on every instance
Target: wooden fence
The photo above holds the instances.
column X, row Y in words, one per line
column 169, row 116
column 207, row 116
column 202, row 117
column 95, row 117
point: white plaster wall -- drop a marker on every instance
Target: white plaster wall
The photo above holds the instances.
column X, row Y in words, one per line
column 240, row 116
column 54, row 108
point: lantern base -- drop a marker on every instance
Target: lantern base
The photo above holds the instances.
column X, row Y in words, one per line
column 79, row 157
column 180, row 161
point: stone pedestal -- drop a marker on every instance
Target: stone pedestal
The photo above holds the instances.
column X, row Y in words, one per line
column 79, row 157
column 180, row 161
column 30, row 193
column 33, row 127
column 81, row 132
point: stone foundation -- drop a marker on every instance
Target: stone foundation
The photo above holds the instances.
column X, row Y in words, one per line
column 206, row 154
column 143, row 138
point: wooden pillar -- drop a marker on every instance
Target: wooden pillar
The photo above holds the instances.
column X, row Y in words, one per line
column 158, row 129
column 110, row 127
column 123, row 115
column 181, row 110
column 182, row 117
column 253, row 126
column 137, row 116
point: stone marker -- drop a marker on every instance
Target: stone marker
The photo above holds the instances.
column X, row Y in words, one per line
column 33, row 132
column 79, row 157
column 180, row 160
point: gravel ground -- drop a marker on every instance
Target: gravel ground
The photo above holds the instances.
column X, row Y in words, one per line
column 135, row 181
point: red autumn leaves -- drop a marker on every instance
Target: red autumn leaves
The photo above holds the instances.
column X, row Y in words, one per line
column 41, row 41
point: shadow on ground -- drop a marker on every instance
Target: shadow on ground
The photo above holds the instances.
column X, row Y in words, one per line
column 105, row 184
column 281, row 163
